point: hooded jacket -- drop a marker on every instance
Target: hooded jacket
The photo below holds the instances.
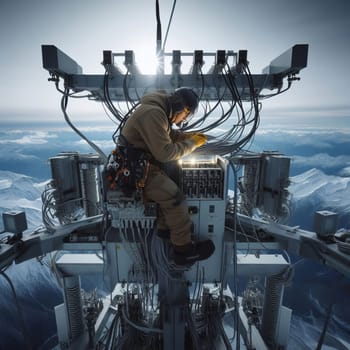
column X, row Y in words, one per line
column 149, row 128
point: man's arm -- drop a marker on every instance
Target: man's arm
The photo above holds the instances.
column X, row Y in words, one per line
column 177, row 135
column 154, row 132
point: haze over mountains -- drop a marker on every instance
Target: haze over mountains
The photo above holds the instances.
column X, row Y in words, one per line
column 311, row 191
column 319, row 180
column 314, row 190
column 39, row 292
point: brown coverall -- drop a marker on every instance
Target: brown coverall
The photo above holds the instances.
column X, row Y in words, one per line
column 149, row 128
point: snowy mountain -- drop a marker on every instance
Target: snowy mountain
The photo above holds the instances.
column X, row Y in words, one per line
column 38, row 291
column 36, row 288
column 21, row 192
column 314, row 190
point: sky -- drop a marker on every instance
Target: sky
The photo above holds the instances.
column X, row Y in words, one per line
column 266, row 28
column 84, row 28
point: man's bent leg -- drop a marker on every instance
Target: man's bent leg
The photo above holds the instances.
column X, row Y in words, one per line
column 172, row 206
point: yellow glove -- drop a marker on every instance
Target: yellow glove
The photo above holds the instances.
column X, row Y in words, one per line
column 199, row 139
column 198, row 133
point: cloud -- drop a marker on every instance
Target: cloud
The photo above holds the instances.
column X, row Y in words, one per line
column 21, row 137
column 15, row 155
column 101, row 127
column 5, row 183
column 345, row 172
column 322, row 160
column 104, row 144
column 320, row 141
column 279, row 130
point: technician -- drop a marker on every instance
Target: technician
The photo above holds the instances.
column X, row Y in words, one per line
column 150, row 128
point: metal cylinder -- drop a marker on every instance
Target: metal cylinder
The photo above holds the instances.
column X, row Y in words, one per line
column 274, row 289
column 250, row 183
column 73, row 304
column 90, row 192
column 65, row 175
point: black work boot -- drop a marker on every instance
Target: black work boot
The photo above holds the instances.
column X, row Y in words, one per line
column 163, row 233
column 193, row 252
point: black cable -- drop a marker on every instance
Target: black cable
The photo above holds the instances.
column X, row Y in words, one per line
column 122, row 123
column 55, row 78
column 196, row 341
column 220, row 328
column 279, row 91
column 235, row 281
column 108, row 100
column 224, row 144
column 159, row 29
column 19, row 311
column 255, row 102
column 64, row 102
column 108, row 114
column 170, row 19
column 127, row 97
column 205, row 116
column 326, row 322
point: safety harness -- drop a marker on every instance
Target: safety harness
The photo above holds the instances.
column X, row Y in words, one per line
column 127, row 167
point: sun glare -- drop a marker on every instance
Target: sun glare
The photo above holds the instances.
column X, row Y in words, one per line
column 146, row 60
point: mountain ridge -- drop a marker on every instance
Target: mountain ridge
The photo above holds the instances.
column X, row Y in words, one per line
column 313, row 191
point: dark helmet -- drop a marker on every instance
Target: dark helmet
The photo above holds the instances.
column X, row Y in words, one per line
column 184, row 97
